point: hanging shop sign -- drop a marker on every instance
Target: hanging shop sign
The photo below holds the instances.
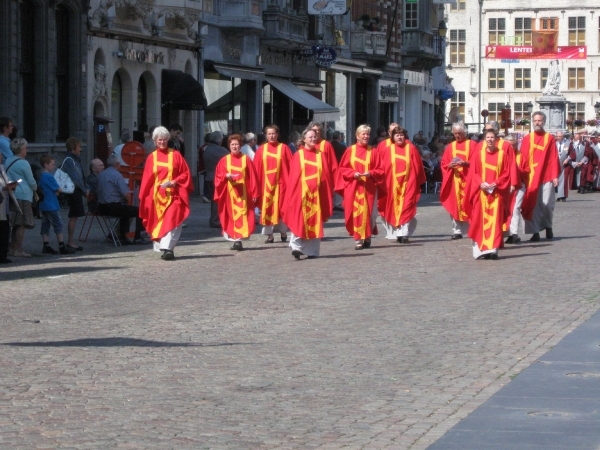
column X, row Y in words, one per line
column 511, row 52
column 327, row 7
column 389, row 91
column 326, row 57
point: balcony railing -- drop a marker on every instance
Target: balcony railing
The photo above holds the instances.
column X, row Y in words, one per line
column 368, row 42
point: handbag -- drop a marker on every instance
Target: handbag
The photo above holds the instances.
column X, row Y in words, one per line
column 64, row 180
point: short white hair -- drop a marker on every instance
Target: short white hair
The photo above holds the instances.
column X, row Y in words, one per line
column 160, row 133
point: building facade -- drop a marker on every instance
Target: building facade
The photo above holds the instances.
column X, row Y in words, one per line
column 490, row 84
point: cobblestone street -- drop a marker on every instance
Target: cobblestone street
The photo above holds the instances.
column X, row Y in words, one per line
column 384, row 348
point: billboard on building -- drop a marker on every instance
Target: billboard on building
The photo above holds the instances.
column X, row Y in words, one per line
column 529, row 52
column 327, row 7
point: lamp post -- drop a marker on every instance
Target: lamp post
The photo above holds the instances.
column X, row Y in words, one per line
column 506, row 113
column 572, row 115
column 597, row 109
column 529, row 107
column 442, row 29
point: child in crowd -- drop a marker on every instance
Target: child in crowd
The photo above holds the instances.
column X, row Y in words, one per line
column 50, row 208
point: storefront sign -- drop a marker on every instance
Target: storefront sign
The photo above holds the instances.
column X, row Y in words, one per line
column 309, row 54
column 414, row 78
column 144, row 56
column 326, row 57
column 389, row 91
column 528, row 52
column 327, row 7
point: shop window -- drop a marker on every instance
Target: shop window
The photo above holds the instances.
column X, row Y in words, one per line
column 496, row 79
column 576, row 78
column 523, row 78
column 458, row 44
column 27, row 70
column 523, row 31
column 63, row 42
column 577, row 30
column 497, row 28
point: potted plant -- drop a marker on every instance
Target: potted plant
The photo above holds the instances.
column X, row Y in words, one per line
column 578, row 123
column 593, row 122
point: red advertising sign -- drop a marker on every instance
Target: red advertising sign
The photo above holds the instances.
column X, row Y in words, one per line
column 528, row 52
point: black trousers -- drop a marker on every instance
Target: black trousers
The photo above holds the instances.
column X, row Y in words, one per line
column 4, row 236
column 209, row 191
column 123, row 212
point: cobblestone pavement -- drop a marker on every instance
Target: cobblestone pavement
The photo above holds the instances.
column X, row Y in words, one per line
column 384, row 348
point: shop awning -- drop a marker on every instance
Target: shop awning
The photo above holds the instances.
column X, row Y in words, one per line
column 243, row 73
column 220, row 108
column 180, row 90
column 322, row 112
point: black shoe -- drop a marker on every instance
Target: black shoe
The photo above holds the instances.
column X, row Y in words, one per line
column 237, row 245
column 338, row 208
column 296, row 254
column 66, row 250
column 403, row 240
column 456, row 236
column 367, row 243
column 125, row 241
column 549, row 233
column 509, row 240
column 47, row 250
column 359, row 246
column 486, row 256
column 311, row 257
column 168, row 255
column 284, row 237
column 535, row 237
column 493, row 256
column 270, row 240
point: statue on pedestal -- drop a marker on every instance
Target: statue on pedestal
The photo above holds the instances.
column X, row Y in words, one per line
column 553, row 82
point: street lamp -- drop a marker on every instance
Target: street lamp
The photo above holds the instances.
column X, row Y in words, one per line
column 572, row 115
column 506, row 113
column 597, row 109
column 442, row 29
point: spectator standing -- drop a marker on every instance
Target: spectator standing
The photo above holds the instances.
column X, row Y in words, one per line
column 249, row 147
column 6, row 128
column 578, row 151
column 176, row 142
column 50, row 208
column 213, row 153
column 419, row 139
column 6, row 191
column 21, row 216
column 295, row 141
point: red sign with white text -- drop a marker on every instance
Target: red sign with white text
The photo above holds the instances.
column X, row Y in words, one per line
column 528, row 52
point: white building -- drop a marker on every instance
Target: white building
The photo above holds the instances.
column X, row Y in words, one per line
column 483, row 83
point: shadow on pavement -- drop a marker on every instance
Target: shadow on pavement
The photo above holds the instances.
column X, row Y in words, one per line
column 523, row 256
column 177, row 257
column 52, row 272
column 353, row 255
column 119, row 342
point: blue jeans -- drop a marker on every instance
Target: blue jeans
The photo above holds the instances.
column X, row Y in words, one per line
column 51, row 217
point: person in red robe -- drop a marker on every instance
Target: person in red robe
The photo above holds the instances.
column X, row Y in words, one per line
column 455, row 174
column 358, row 175
column 539, row 160
column 236, row 191
column 164, row 194
column 504, row 145
column 488, row 191
column 589, row 166
column 401, row 189
column 386, row 143
column 272, row 163
column 325, row 147
column 308, row 199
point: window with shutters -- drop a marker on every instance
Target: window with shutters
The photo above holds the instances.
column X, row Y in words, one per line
column 576, row 78
column 496, row 79
column 522, row 78
column 458, row 101
column 460, row 5
column 523, row 30
column 577, row 30
column 457, row 46
column 497, row 29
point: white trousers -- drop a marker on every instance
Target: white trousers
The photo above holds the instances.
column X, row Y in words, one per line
column 309, row 247
column 405, row 230
column 516, row 220
column 270, row 229
column 169, row 240
column 460, row 227
column 477, row 253
column 543, row 211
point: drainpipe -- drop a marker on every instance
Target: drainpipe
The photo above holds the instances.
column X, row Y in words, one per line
column 480, row 56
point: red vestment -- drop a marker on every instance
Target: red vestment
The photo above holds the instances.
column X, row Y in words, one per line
column 588, row 170
column 489, row 210
column 568, row 170
column 539, row 161
column 453, row 194
column 308, row 198
column 272, row 163
column 383, row 145
column 359, row 193
column 163, row 209
column 235, row 204
column 404, row 175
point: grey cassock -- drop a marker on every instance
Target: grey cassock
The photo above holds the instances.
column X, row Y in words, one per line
column 563, row 155
column 579, row 151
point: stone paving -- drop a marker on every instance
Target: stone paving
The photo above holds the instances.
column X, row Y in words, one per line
column 384, row 348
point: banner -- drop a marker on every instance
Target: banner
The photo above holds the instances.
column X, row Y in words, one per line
column 327, row 7
column 528, row 52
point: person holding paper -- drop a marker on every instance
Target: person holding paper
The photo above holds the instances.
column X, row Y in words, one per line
column 359, row 173
column 164, row 194
column 489, row 194
column 455, row 173
column 236, row 192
